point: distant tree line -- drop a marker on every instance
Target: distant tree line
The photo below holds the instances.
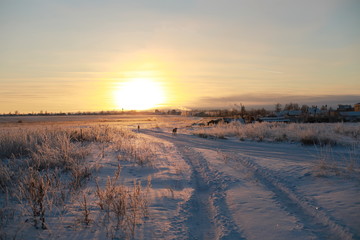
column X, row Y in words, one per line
column 46, row 113
column 296, row 107
column 293, row 111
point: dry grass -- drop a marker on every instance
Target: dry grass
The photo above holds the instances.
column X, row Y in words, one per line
column 137, row 150
column 39, row 168
column 329, row 164
column 5, row 176
column 42, row 168
column 134, row 148
column 127, row 207
column 40, row 150
column 352, row 160
column 34, row 188
column 100, row 133
column 86, row 211
column 130, row 146
column 49, row 148
column 307, row 134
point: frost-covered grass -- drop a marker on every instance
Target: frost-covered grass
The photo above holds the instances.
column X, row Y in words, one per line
column 41, row 150
column 136, row 149
column 41, row 168
column 331, row 163
column 321, row 135
column 307, row 134
column 126, row 207
column 167, row 123
column 88, row 181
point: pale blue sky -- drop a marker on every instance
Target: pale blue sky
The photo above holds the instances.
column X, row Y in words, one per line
column 68, row 55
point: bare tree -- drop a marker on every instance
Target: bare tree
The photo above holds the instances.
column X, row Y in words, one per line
column 278, row 107
column 292, row 106
column 304, row 108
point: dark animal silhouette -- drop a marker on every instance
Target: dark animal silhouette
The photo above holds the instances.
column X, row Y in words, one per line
column 219, row 120
column 174, row 131
column 227, row 120
column 214, row 122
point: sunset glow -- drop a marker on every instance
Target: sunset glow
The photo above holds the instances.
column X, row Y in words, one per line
column 177, row 54
column 139, row 94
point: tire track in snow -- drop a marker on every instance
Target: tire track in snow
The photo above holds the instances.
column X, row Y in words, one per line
column 210, row 187
column 206, row 214
column 312, row 216
column 196, row 210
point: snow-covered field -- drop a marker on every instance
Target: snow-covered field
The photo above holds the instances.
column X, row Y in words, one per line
column 117, row 183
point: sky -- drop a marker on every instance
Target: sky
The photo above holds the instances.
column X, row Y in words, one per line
column 84, row 55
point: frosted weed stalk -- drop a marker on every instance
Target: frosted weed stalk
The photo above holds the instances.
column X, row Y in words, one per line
column 325, row 161
column 352, row 159
column 42, row 168
column 344, row 164
column 35, row 188
column 134, row 148
column 125, row 208
column 86, row 212
column 307, row 134
column 39, row 169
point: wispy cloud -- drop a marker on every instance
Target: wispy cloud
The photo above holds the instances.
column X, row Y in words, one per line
column 267, row 70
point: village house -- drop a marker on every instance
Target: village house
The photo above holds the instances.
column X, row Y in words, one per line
column 350, row 116
column 344, row 108
column 348, row 113
column 313, row 111
column 357, row 107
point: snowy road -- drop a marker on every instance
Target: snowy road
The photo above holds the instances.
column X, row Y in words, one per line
column 150, row 184
column 247, row 190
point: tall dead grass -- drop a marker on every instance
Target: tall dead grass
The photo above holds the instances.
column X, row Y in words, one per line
column 129, row 145
column 134, row 147
column 127, row 207
column 35, row 188
column 307, row 134
column 137, row 150
column 41, row 168
column 329, row 163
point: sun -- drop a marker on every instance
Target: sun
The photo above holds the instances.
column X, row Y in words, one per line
column 139, row 94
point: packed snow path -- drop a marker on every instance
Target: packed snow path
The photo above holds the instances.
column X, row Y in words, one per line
column 247, row 190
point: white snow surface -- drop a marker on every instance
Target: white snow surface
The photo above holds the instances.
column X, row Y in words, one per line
column 222, row 189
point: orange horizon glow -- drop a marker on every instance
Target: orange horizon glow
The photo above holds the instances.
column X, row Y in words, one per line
column 177, row 55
